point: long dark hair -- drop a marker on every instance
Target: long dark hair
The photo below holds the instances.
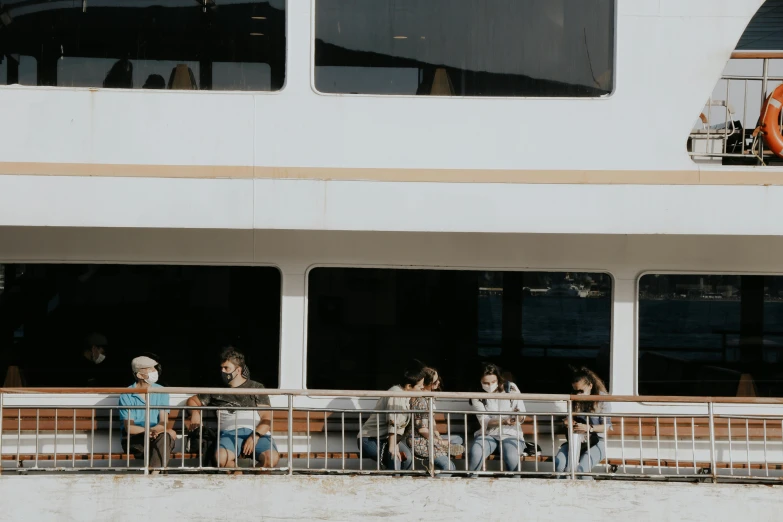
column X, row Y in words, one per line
column 493, row 369
column 598, row 388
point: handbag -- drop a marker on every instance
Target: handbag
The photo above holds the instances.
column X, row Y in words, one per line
column 207, row 447
column 455, row 450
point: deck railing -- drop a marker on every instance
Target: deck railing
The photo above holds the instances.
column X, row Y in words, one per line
column 718, row 137
column 651, row 438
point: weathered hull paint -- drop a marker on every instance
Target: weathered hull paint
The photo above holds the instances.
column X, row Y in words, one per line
column 195, row 498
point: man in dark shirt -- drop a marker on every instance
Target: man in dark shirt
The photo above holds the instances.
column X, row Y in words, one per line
column 240, row 432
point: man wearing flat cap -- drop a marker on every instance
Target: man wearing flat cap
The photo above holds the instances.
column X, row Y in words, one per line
column 134, row 421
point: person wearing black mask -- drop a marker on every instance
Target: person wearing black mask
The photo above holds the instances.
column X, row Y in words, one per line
column 241, row 432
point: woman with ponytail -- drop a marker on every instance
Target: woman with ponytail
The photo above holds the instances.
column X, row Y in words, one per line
column 592, row 428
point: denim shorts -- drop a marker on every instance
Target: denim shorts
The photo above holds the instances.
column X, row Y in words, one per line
column 229, row 438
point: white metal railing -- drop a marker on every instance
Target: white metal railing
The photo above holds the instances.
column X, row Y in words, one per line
column 717, row 136
column 719, row 439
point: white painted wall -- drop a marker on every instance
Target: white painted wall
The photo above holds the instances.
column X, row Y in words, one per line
column 241, row 204
column 669, row 54
column 196, row 498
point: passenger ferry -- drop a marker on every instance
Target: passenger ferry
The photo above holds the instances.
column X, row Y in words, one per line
column 338, row 187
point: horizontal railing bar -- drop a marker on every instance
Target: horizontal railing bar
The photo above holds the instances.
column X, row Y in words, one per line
column 378, row 394
column 756, row 55
column 753, row 78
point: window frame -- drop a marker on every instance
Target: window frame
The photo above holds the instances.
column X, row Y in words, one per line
column 637, row 289
column 608, row 96
column 310, row 268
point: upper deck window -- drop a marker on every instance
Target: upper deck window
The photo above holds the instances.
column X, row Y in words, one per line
column 151, row 44
column 465, row 47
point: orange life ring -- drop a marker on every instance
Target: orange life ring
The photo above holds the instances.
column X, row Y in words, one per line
column 770, row 121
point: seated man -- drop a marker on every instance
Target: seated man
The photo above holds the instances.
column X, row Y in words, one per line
column 134, row 421
column 242, row 432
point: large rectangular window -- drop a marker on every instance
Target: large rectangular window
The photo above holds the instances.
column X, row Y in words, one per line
column 365, row 325
column 180, row 315
column 717, row 335
column 465, row 47
column 160, row 44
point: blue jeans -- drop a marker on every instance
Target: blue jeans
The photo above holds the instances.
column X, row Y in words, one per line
column 485, row 446
column 229, row 438
column 370, row 450
column 444, row 463
column 587, row 460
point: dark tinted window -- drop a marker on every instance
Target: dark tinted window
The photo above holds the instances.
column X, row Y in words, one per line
column 365, row 325
column 465, row 47
column 711, row 335
column 153, row 44
column 764, row 30
column 182, row 314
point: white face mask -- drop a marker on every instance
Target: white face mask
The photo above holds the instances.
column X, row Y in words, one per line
column 100, row 359
column 152, row 378
column 489, row 388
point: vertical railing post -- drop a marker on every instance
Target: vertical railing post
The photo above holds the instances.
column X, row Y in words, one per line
column 146, row 433
column 1, row 431
column 764, row 77
column 290, row 434
column 430, row 404
column 713, row 459
column 571, row 450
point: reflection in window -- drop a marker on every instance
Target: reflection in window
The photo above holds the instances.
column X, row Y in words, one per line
column 707, row 334
column 17, row 70
column 364, row 325
column 161, row 44
column 465, row 47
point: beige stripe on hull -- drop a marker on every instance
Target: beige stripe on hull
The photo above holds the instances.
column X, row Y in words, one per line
column 606, row 177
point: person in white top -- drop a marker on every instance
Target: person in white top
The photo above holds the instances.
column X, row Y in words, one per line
column 497, row 431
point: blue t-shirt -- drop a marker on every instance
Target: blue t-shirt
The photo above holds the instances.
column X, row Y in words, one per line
column 138, row 416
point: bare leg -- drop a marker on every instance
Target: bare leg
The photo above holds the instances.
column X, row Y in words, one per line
column 269, row 459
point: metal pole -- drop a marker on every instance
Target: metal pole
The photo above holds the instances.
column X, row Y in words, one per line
column 710, row 407
column 432, row 436
column 467, row 451
column 571, row 440
column 764, row 77
column 622, row 444
column 658, row 443
column 1, row 431
column 535, row 441
column 747, row 445
column 73, row 448
column 290, row 434
column 92, row 437
column 766, row 461
column 676, row 451
column 146, row 434
column 731, row 457
column 55, row 435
